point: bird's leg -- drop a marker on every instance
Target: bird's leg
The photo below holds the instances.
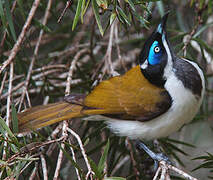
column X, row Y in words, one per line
column 157, row 157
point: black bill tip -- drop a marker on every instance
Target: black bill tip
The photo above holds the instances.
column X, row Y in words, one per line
column 162, row 26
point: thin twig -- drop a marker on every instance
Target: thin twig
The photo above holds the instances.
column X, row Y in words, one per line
column 90, row 172
column 8, row 105
column 136, row 172
column 69, row 2
column 120, row 59
column 33, row 174
column 2, row 83
column 181, row 172
column 157, row 173
column 74, row 159
column 108, row 55
column 187, row 39
column 9, row 91
column 17, row 46
column 60, row 155
column 44, row 167
column 119, row 164
column 72, row 68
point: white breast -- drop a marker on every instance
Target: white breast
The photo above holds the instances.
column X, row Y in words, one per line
column 184, row 107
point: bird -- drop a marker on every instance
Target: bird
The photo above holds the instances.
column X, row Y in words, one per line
column 151, row 100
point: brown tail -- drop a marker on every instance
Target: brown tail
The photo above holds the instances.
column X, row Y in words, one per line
column 45, row 115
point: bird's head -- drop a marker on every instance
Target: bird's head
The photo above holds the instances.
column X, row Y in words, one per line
column 156, row 56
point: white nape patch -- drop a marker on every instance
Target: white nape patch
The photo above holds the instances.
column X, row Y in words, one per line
column 169, row 65
column 144, row 65
column 183, row 109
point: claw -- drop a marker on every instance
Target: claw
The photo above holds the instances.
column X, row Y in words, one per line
column 157, row 157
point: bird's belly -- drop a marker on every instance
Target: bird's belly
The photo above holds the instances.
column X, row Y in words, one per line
column 162, row 126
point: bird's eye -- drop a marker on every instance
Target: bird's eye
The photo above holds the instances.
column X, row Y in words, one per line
column 155, row 53
column 157, row 49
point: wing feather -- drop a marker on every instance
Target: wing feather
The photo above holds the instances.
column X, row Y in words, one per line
column 130, row 96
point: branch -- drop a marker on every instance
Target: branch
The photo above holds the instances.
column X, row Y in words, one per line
column 164, row 168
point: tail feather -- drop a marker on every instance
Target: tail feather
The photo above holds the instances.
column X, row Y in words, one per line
column 45, row 115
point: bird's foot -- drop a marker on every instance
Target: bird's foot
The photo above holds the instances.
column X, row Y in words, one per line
column 157, row 157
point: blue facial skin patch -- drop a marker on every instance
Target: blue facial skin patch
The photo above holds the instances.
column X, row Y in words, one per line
column 155, row 53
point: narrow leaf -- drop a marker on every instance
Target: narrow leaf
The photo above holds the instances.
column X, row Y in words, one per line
column 41, row 26
column 112, row 17
column 131, row 4
column 97, row 17
column 77, row 14
column 10, row 20
column 4, row 128
column 3, row 19
column 123, row 15
column 103, row 158
column 95, row 168
column 83, row 10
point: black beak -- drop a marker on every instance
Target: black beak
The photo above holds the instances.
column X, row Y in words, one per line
column 162, row 26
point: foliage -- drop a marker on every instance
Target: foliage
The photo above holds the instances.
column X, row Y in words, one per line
column 207, row 163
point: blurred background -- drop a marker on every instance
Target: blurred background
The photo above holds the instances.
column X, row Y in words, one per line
column 51, row 48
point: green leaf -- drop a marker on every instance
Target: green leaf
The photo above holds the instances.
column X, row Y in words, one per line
column 201, row 3
column 112, row 17
column 4, row 127
column 203, row 43
column 95, row 168
column 10, row 20
column 97, row 17
column 14, row 119
column 123, row 15
column 3, row 19
column 180, row 142
column 202, row 29
column 103, row 158
column 131, row 4
column 84, row 9
column 41, row 26
column 77, row 14
column 210, row 7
